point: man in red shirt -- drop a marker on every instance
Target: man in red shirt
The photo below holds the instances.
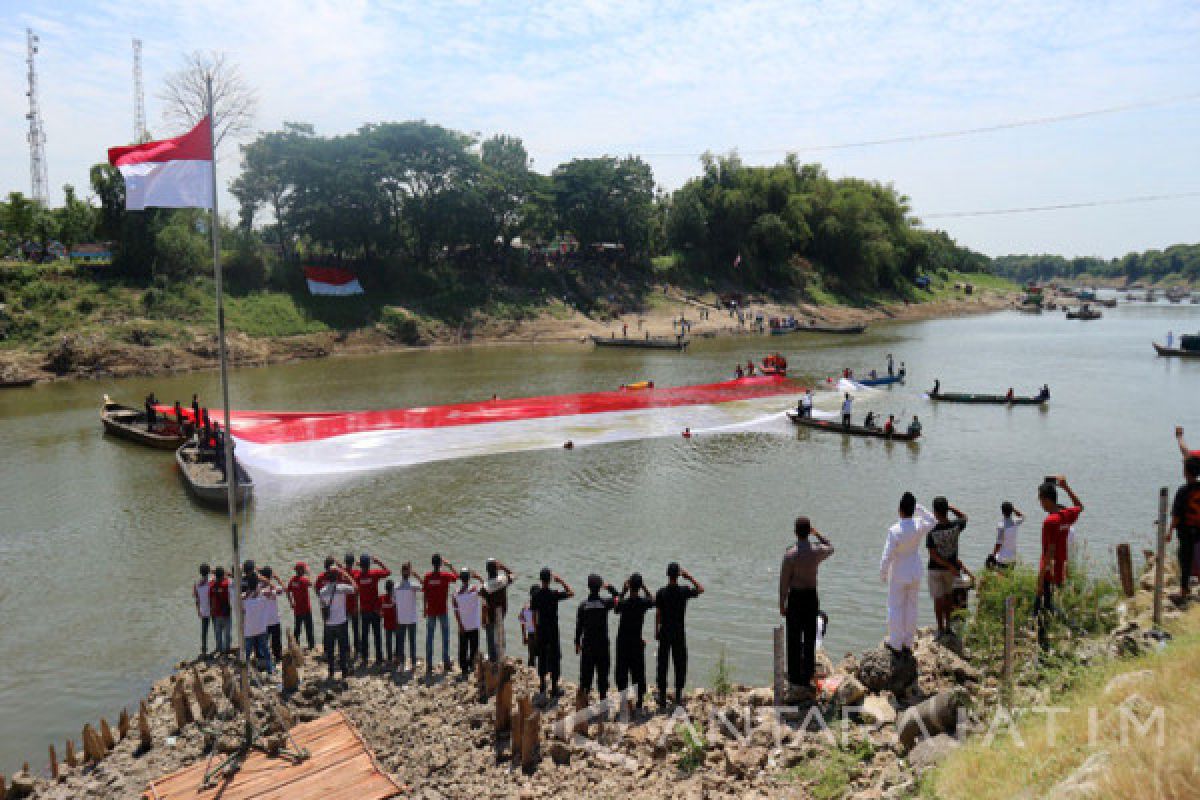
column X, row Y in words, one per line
column 1056, row 529
column 219, row 601
column 435, row 586
column 352, row 609
column 367, row 580
column 301, row 602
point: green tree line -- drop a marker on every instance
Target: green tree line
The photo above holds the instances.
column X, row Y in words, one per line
column 1177, row 262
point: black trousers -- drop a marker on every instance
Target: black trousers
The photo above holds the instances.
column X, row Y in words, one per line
column 631, row 666
column 468, row 647
column 204, row 623
column 1043, row 608
column 672, row 647
column 1187, row 554
column 371, row 625
column 549, row 655
column 802, row 608
column 338, row 637
column 355, row 632
column 304, row 623
column 845, row 420
column 594, row 663
column 276, row 634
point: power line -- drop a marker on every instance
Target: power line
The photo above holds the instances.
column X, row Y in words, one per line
column 1146, row 198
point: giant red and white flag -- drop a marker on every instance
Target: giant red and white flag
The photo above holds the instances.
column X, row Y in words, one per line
column 171, row 173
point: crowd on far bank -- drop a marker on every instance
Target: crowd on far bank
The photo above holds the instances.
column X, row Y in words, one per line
column 363, row 607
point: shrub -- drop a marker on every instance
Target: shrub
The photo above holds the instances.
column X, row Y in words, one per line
column 722, row 676
column 400, row 325
column 692, row 748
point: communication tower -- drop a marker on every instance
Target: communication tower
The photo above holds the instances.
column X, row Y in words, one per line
column 37, row 134
column 139, row 96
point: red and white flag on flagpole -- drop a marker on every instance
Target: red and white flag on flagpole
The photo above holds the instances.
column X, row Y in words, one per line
column 331, row 280
column 171, row 173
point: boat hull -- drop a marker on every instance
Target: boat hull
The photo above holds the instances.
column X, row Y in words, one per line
column 641, row 344
column 881, row 381
column 991, row 399
column 128, row 423
column 854, row 430
column 846, row 329
column 1175, row 352
column 203, row 480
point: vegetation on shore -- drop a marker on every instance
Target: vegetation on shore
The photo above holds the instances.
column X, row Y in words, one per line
column 1177, row 264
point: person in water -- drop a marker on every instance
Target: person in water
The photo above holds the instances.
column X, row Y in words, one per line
column 670, row 606
column 632, row 605
column 591, row 635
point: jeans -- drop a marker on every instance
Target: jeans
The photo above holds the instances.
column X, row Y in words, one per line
column 391, row 642
column 260, row 647
column 430, row 624
column 356, row 632
column 672, row 646
column 304, row 623
column 468, row 648
column 204, row 621
column 337, row 637
column 802, row 608
column 1043, row 608
column 410, row 631
column 221, row 634
column 631, row 666
column 371, row 625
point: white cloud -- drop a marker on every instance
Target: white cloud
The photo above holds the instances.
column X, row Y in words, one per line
column 581, row 78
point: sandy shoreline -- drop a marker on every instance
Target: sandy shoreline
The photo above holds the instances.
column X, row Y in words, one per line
column 81, row 357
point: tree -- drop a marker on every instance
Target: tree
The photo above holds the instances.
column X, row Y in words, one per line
column 19, row 213
column 76, row 219
column 185, row 95
column 606, row 200
column 109, row 187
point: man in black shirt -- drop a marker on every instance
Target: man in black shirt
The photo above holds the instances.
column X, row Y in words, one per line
column 944, row 564
column 671, row 605
column 591, row 635
column 1185, row 518
column 544, row 604
column 632, row 605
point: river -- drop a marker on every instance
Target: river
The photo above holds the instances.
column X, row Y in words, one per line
column 99, row 544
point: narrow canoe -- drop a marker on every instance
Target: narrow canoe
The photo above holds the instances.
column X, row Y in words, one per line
column 854, row 430
column 884, row 381
column 17, row 383
column 995, row 399
column 657, row 343
column 1175, row 352
column 1084, row 315
column 205, row 480
column 130, row 424
column 828, row 329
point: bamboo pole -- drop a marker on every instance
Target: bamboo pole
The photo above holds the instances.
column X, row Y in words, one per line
column 1125, row 569
column 504, row 707
column 530, row 733
column 518, row 736
column 143, row 722
column 71, row 760
column 53, row 764
column 106, row 735
column 1160, row 556
column 123, row 724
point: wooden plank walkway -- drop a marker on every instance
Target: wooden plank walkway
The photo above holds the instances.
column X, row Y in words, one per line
column 339, row 767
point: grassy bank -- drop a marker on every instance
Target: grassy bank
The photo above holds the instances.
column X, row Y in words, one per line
column 1123, row 695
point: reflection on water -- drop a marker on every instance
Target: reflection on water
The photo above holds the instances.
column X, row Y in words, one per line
column 100, row 542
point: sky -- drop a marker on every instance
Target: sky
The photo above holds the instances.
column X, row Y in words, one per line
column 670, row 80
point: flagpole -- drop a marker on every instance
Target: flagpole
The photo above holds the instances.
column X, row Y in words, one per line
column 231, row 478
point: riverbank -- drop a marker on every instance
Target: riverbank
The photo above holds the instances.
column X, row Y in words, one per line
column 882, row 726
column 121, row 332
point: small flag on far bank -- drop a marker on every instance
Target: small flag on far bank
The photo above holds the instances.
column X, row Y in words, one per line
column 170, row 173
column 331, row 281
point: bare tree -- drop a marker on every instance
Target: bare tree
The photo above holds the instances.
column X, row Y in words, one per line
column 185, row 95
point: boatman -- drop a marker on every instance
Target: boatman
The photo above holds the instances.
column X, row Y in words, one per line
column 804, row 405
column 1056, row 532
column 670, row 606
column 798, row 601
column 632, row 605
column 544, row 604
column 891, row 368
column 847, row 407
column 914, row 427
column 591, row 635
column 901, row 568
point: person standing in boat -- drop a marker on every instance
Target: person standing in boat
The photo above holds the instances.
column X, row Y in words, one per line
column 632, row 605
column 891, row 367
column 798, row 601
column 847, row 408
column 195, row 412
column 889, row 427
column 1045, row 393
column 750, row 369
column 544, row 604
column 1170, row 340
column 219, row 603
column 868, row 421
column 738, row 373
column 914, row 427
column 806, row 404
column 670, row 607
column 150, row 414
column 591, row 635
column 179, row 416
column 201, row 594
column 937, row 388
column 900, row 567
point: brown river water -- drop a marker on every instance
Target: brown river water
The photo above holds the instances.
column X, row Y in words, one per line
column 99, row 543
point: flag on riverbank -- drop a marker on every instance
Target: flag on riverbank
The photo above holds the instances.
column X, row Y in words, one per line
column 331, row 281
column 170, row 173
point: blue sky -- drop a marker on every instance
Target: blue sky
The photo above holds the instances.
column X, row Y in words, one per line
column 677, row 78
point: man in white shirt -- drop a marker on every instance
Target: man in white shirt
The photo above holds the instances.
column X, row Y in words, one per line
column 806, row 404
column 257, row 596
column 201, row 591
column 1005, row 552
column 901, row 568
column 847, row 405
column 468, row 612
column 337, row 586
column 495, row 606
column 274, row 629
column 405, row 595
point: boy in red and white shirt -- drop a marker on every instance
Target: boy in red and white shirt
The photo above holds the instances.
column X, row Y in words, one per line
column 1056, row 533
column 301, row 602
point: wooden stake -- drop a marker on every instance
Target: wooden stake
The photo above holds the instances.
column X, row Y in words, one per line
column 53, row 764
column 208, row 706
column 504, row 707
column 1125, row 569
column 530, row 733
column 1160, row 556
column 144, row 739
column 93, row 748
column 3, row 791
column 123, row 724
column 518, row 735
column 106, row 735
column 181, row 706
column 72, row 761
column 779, row 664
column 291, row 675
column 294, row 647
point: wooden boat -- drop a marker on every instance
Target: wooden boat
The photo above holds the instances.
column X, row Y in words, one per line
column 130, row 423
column 886, row 380
column 833, row 426
column 850, row 329
column 205, row 480
column 1108, row 302
column 16, row 383
column 995, row 399
column 648, row 343
column 1175, row 352
column 1029, row 309
column 1084, row 313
